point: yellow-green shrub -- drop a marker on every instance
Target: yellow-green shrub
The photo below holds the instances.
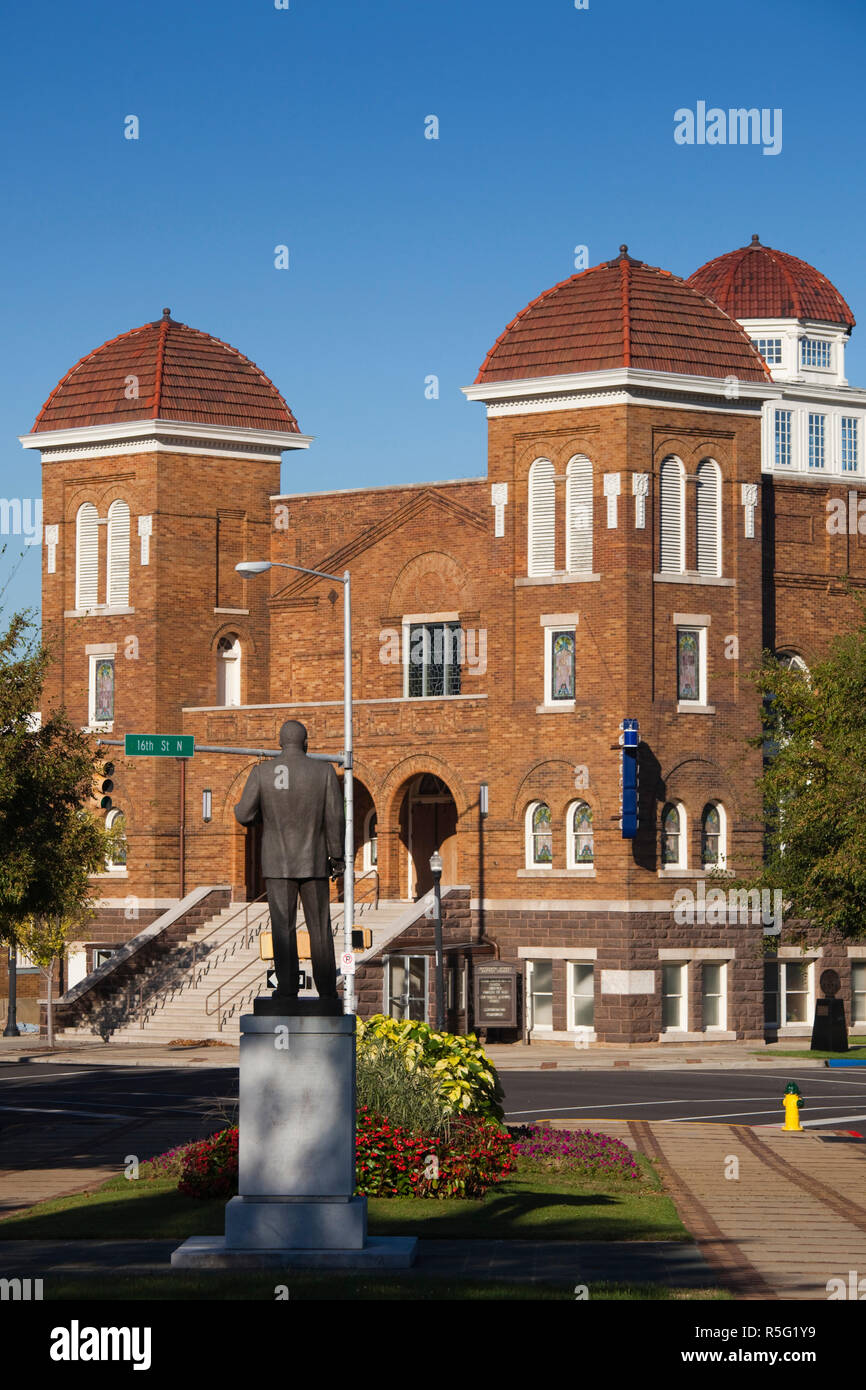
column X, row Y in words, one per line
column 469, row 1084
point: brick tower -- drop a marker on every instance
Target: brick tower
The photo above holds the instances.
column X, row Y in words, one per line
column 160, row 451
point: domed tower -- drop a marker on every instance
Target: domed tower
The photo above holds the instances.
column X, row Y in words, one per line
column 160, row 451
column 624, row 418
column 796, row 318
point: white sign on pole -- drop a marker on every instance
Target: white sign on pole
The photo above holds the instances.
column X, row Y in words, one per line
column 347, row 963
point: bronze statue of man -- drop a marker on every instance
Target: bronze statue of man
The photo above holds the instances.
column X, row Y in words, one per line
column 303, row 817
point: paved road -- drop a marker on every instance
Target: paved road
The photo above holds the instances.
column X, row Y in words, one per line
column 65, row 1128
column 196, row 1100
column 735, row 1097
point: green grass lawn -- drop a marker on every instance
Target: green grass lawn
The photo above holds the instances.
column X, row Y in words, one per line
column 854, row 1054
column 527, row 1206
column 305, row 1287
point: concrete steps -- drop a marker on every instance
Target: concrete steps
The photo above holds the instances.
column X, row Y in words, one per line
column 201, row 988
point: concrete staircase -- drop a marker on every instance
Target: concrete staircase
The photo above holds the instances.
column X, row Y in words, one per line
column 202, row 986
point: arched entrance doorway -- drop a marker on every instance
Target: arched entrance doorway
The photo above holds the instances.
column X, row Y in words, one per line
column 428, row 822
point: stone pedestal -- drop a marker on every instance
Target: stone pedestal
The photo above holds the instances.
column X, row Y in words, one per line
column 296, row 1154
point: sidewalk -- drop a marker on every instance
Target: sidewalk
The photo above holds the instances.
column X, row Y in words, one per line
column 776, row 1214
column 506, row 1056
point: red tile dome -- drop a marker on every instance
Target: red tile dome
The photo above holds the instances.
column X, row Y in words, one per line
column 756, row 282
column 179, row 374
column 622, row 313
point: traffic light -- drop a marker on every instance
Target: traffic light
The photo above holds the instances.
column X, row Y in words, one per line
column 104, row 785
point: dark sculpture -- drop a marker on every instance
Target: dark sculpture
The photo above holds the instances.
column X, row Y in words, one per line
column 300, row 803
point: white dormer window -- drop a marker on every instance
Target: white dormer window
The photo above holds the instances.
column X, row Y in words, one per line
column 770, row 349
column 816, row 352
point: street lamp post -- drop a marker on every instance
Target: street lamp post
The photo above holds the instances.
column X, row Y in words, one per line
column 436, row 871
column 250, row 568
column 11, row 1029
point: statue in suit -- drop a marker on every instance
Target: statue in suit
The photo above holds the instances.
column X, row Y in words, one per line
column 300, row 803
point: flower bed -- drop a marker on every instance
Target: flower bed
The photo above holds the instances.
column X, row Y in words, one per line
column 575, row 1150
column 391, row 1162
column 211, row 1166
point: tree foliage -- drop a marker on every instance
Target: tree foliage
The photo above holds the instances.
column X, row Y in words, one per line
column 814, row 785
column 49, row 842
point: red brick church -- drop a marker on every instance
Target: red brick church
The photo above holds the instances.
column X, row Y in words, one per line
column 652, row 516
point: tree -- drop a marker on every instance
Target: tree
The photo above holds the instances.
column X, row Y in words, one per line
column 49, row 843
column 814, row 785
column 44, row 941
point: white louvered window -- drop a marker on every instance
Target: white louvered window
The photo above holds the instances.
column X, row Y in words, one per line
column 709, row 518
column 672, row 520
column 578, row 512
column 86, row 556
column 117, row 586
column 542, row 518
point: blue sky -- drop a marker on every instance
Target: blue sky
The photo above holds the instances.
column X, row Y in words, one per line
column 305, row 126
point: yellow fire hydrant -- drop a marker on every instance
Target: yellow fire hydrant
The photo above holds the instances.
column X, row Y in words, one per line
column 792, row 1101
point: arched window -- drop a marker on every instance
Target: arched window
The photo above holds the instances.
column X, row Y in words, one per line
column 792, row 661
column 708, row 509
column 116, row 862
column 542, row 518
column 86, row 557
column 674, row 837
column 117, row 582
column 672, row 518
column 581, row 849
column 370, row 857
column 713, row 836
column 578, row 515
column 229, row 671
column 539, row 836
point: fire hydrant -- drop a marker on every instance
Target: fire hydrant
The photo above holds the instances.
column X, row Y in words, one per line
column 792, row 1102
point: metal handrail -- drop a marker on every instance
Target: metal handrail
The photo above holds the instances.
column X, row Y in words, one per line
column 245, row 909
column 242, row 988
column 367, row 873
column 225, row 984
column 144, row 999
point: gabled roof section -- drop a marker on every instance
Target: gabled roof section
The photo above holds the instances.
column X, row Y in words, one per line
column 336, row 560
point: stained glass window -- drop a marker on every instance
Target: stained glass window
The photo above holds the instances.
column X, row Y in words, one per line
column 711, row 830
column 688, row 664
column 671, row 836
column 562, row 666
column 103, row 696
column 115, row 820
column 582, row 830
column 434, row 659
column 542, row 835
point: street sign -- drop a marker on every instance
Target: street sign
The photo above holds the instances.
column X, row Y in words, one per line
column 347, row 963
column 159, row 745
column 271, row 980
